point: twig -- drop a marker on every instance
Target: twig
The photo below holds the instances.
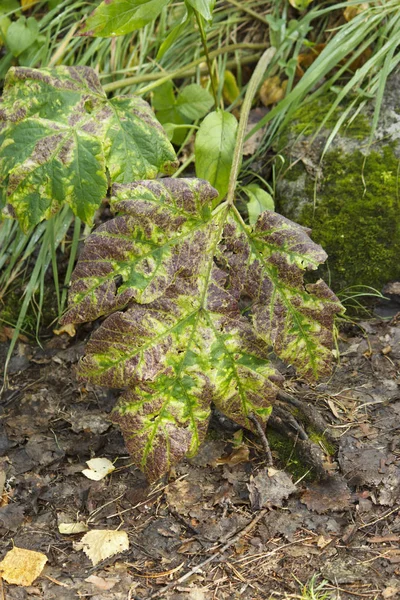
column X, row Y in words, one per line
column 263, row 437
column 3, row 596
column 381, row 518
column 212, row 558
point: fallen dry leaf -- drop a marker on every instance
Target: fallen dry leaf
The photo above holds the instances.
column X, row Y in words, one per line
column 72, row 528
column 326, row 495
column 100, row 544
column 306, row 59
column 270, row 487
column 390, row 592
column 21, row 566
column 101, row 583
column 238, row 455
column 69, row 328
column 98, row 468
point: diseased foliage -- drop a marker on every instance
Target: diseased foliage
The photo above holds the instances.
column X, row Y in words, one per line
column 197, row 300
column 62, row 140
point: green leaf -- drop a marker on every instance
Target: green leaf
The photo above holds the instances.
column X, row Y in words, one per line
column 214, row 148
column 201, row 299
column 204, row 7
column 119, row 17
column 194, row 102
column 259, row 201
column 5, row 23
column 173, row 35
column 61, row 136
column 9, row 6
column 21, row 34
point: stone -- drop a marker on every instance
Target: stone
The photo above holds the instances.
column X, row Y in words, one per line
column 350, row 195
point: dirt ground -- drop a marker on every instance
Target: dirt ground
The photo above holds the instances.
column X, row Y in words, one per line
column 254, row 533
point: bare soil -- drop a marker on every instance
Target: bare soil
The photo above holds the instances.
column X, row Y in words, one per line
column 255, row 533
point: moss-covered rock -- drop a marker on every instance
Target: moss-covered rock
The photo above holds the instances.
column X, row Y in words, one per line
column 351, row 198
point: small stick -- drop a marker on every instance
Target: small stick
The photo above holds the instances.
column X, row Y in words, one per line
column 263, row 438
column 212, row 558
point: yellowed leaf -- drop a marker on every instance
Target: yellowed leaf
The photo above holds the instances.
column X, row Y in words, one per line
column 231, row 91
column 98, row 468
column 21, row 566
column 353, row 10
column 72, row 528
column 25, row 4
column 100, row 544
column 68, row 328
column 272, row 90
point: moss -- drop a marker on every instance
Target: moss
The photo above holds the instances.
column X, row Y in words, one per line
column 285, row 448
column 11, row 306
column 318, row 438
column 357, row 225
column 309, row 117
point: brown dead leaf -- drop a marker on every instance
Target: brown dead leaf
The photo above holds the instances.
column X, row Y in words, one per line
column 306, row 59
column 272, row 90
column 238, row 455
column 323, row 541
column 21, row 566
column 270, row 487
column 390, row 592
column 184, row 495
column 6, row 333
column 329, row 494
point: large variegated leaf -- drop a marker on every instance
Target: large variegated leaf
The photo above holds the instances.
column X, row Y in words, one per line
column 62, row 140
column 201, row 300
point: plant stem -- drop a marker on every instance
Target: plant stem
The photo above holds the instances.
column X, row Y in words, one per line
column 187, row 70
column 252, row 88
column 200, row 23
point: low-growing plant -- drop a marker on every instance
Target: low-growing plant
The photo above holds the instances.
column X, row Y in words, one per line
column 196, row 301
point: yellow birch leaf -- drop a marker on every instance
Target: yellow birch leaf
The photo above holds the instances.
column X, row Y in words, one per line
column 100, row 544
column 21, row 566
column 98, row 468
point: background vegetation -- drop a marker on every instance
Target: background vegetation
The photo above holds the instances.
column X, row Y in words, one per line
column 349, row 48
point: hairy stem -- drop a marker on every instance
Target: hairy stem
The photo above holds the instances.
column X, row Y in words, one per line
column 252, row 88
column 187, row 70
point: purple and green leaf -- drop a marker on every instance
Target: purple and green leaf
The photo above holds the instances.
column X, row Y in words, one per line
column 196, row 302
